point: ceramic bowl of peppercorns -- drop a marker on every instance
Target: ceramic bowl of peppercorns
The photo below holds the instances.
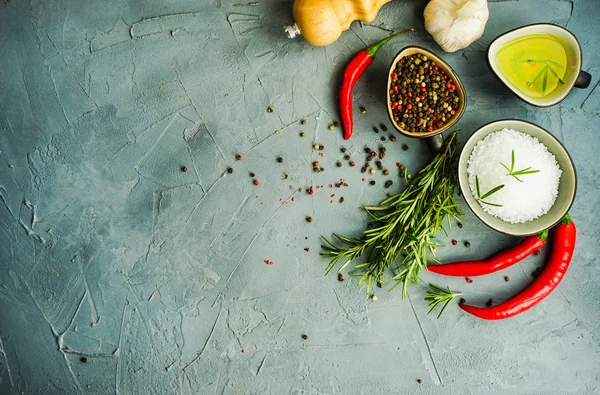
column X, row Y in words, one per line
column 424, row 95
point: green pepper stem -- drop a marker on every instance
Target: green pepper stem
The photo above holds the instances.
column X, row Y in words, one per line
column 372, row 50
column 544, row 235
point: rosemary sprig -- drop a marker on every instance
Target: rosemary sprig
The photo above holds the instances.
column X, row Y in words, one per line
column 521, row 172
column 403, row 226
column 544, row 72
column 488, row 193
column 439, row 295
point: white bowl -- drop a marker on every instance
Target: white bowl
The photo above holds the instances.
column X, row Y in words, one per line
column 574, row 76
column 566, row 187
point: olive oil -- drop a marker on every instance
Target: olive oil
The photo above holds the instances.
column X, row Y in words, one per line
column 535, row 64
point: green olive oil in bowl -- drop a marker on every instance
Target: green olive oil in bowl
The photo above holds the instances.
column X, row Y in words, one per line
column 534, row 64
column 539, row 63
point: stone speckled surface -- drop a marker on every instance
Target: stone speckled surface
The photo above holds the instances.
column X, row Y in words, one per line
column 157, row 277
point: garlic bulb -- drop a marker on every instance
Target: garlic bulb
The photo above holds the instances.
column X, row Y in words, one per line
column 455, row 24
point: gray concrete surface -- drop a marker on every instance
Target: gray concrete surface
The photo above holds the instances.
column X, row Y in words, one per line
column 157, row 277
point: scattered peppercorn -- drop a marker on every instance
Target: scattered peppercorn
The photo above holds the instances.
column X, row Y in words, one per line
column 316, row 146
column 352, row 163
column 340, row 277
column 378, row 284
column 383, row 138
column 309, row 219
column 269, row 109
column 342, row 199
column 454, row 242
column 338, row 164
column 373, row 297
column 304, row 337
column 230, row 170
column 506, row 279
column 467, row 244
column 363, row 110
column 331, row 127
column 404, row 147
column 536, row 252
column 367, row 150
column 256, row 182
column 419, row 381
column 462, row 301
column 347, row 157
column 343, row 150
column 336, row 124
column 322, row 169
column 393, row 139
column 536, row 272
column 316, row 163
column 303, row 122
column 383, row 127
column 372, row 182
column 460, row 225
column 238, row 157
column 184, row 169
column 373, row 171
column 375, row 129
column 302, row 134
column 252, row 174
column 280, row 159
column 489, row 303
column 83, row 359
column 386, row 172
column 388, row 183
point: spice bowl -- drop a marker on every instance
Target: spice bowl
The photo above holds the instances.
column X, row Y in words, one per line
column 433, row 137
column 566, row 188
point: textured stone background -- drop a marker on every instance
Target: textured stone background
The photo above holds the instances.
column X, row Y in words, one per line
column 108, row 251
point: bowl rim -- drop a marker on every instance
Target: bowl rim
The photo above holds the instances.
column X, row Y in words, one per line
column 552, row 25
column 461, row 177
column 459, row 83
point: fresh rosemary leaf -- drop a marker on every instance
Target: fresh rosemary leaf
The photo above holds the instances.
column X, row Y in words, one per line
column 438, row 295
column 556, row 76
column 545, row 80
column 492, row 191
column 512, row 160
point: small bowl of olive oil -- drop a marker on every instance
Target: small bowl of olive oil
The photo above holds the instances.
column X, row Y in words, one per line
column 540, row 63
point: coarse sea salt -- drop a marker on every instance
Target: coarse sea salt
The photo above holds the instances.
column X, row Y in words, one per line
column 520, row 201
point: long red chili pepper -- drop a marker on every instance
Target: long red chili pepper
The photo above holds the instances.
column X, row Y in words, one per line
column 352, row 73
column 548, row 280
column 500, row 261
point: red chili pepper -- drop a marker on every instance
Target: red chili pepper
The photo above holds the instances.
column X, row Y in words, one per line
column 352, row 73
column 544, row 284
column 500, row 261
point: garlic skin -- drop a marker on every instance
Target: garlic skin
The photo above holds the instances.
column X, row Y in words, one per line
column 455, row 24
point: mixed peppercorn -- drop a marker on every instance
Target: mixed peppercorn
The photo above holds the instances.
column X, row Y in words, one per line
column 423, row 98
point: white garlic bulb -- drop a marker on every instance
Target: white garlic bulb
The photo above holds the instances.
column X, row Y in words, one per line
column 455, row 24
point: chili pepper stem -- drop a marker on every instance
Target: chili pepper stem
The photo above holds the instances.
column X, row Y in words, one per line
column 372, row 50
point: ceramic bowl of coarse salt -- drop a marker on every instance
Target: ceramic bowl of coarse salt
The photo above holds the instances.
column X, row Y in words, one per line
column 516, row 177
